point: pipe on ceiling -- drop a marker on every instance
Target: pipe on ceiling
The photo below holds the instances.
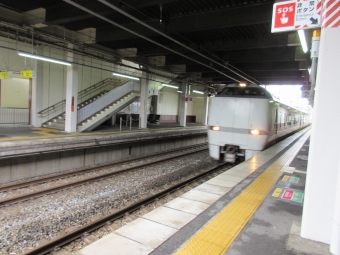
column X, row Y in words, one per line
column 168, row 37
column 145, row 38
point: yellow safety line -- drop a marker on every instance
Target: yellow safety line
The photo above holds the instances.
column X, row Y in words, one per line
column 218, row 234
column 46, row 133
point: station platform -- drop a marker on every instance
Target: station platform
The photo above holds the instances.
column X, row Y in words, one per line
column 254, row 208
column 23, row 139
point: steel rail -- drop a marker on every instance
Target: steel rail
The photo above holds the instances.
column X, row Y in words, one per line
column 36, row 194
column 69, row 237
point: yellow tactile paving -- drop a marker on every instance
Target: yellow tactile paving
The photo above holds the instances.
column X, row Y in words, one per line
column 54, row 133
column 217, row 235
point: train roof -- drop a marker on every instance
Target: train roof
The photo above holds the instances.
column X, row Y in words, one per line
column 253, row 91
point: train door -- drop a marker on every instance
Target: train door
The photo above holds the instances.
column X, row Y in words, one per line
column 276, row 119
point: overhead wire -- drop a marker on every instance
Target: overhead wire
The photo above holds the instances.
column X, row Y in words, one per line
column 223, row 65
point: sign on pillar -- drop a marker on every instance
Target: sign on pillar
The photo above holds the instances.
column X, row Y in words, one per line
column 295, row 15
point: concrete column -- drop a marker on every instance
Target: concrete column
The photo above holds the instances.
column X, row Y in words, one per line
column 37, row 90
column 71, row 93
column 144, row 92
column 113, row 120
column 324, row 151
column 183, row 107
column 205, row 109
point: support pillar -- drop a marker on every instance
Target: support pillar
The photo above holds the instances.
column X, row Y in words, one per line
column 144, row 92
column 324, row 152
column 37, row 90
column 71, row 93
column 205, row 109
column 183, row 107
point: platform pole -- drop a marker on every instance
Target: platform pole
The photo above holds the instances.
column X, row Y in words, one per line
column 324, row 152
column 205, row 109
column 71, row 92
column 37, row 90
column 144, row 92
column 183, row 106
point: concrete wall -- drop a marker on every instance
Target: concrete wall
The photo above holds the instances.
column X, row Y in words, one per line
column 14, row 169
column 168, row 103
column 14, row 93
column 198, row 103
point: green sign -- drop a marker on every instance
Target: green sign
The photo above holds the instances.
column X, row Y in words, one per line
column 297, row 196
column 294, row 179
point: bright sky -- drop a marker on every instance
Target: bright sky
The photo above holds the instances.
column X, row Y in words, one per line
column 290, row 94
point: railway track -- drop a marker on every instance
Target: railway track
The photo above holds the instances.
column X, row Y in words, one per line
column 37, row 192
column 65, row 239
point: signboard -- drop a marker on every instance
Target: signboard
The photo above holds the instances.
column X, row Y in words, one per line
column 288, row 194
column 27, row 74
column 295, row 15
column 305, row 93
column 6, row 75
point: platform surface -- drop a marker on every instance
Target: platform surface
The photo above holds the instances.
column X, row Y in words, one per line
column 253, row 208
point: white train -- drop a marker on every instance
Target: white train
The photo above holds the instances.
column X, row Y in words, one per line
column 244, row 120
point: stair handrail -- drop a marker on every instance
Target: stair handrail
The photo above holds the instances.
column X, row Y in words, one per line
column 81, row 97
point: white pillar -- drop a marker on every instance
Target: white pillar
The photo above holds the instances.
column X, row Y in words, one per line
column 182, row 111
column 37, row 90
column 335, row 238
column 71, row 93
column 144, row 92
column 324, row 152
column 205, row 109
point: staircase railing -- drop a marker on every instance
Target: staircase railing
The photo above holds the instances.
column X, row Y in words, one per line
column 110, row 97
column 83, row 95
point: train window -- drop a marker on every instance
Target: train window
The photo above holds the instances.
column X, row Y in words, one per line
column 256, row 92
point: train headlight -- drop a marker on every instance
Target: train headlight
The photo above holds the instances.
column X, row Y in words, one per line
column 254, row 132
column 215, row 128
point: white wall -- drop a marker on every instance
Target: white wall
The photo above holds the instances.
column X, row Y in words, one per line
column 198, row 103
column 168, row 103
column 15, row 93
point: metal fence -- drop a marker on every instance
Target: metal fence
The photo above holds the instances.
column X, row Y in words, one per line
column 10, row 115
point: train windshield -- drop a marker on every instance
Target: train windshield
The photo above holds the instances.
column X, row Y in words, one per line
column 254, row 92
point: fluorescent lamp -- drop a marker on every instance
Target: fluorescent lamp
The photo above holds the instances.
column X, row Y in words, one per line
column 24, row 54
column 199, row 92
column 126, row 76
column 303, row 40
column 179, row 91
column 171, row 86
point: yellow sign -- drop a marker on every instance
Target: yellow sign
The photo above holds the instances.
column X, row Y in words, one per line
column 285, row 178
column 6, row 75
column 27, row 74
column 277, row 192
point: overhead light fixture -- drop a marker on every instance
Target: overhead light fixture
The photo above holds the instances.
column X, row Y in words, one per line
column 170, row 86
column 179, row 91
column 303, row 40
column 126, row 76
column 53, row 60
column 198, row 92
column 243, row 85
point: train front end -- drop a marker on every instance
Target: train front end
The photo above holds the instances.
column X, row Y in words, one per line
column 238, row 123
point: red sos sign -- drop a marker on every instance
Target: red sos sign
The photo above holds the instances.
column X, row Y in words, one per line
column 284, row 15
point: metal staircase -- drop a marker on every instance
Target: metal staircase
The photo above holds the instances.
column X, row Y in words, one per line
column 92, row 114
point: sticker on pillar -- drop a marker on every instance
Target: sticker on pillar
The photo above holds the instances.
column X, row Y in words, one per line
column 72, row 105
